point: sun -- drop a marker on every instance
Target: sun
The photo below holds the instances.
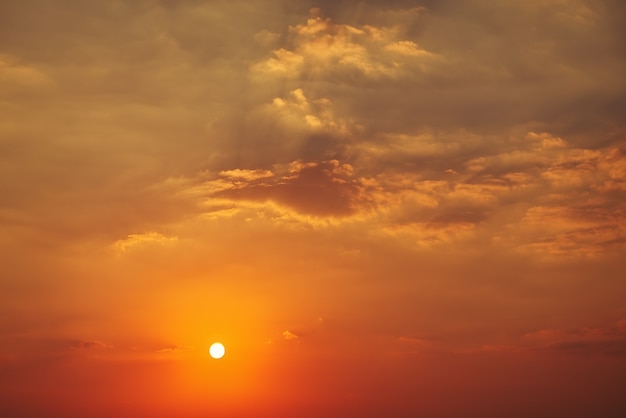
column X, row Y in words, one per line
column 217, row 350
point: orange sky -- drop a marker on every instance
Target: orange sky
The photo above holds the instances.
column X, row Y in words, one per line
column 382, row 209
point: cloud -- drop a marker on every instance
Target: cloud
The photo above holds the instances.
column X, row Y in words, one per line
column 317, row 188
column 134, row 240
column 245, row 175
column 608, row 340
column 321, row 49
column 172, row 349
column 17, row 79
column 412, row 340
column 615, row 347
column 89, row 345
column 289, row 336
column 564, row 200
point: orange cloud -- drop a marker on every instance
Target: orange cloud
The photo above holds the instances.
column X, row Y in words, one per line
column 322, row 48
column 289, row 336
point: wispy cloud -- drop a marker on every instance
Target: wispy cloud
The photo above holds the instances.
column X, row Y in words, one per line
column 89, row 345
column 134, row 240
column 289, row 336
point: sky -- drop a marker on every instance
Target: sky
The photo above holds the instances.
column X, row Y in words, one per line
column 403, row 208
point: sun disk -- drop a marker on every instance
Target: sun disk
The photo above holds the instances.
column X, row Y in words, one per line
column 217, row 350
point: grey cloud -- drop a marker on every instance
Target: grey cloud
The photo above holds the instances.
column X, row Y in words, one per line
column 320, row 189
column 540, row 66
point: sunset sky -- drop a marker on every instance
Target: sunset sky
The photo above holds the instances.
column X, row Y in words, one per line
column 401, row 208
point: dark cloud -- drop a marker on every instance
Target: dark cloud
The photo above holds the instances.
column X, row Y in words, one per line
column 319, row 189
column 614, row 348
column 606, row 340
